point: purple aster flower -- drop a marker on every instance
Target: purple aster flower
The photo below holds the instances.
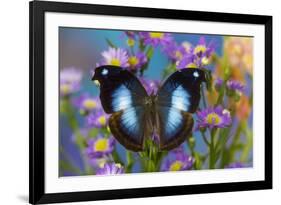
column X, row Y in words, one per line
column 234, row 85
column 86, row 103
column 177, row 160
column 197, row 56
column 156, row 38
column 110, row 169
column 187, row 61
column 177, row 52
column 97, row 119
column 202, row 49
column 203, row 52
column 213, row 118
column 70, row 79
column 236, row 165
column 137, row 61
column 100, row 146
column 218, row 83
column 131, row 34
column 151, row 86
column 115, row 56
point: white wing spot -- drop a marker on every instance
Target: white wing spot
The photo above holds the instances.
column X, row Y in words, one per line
column 196, row 74
column 104, row 71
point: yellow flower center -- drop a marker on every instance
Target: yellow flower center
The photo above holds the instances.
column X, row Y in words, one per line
column 131, row 42
column 178, row 54
column 102, row 120
column 156, row 35
column 191, row 65
column 115, row 61
column 133, row 60
column 213, row 118
column 200, row 49
column 176, row 166
column 205, row 61
column 65, row 89
column 101, row 145
column 118, row 165
column 89, row 104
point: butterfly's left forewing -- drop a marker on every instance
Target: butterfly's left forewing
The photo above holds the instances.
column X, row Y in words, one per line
column 122, row 95
column 178, row 97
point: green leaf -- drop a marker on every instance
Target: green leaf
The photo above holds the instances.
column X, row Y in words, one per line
column 66, row 166
column 141, row 45
column 168, row 70
column 116, row 157
column 149, row 52
column 198, row 162
column 110, row 43
column 93, row 132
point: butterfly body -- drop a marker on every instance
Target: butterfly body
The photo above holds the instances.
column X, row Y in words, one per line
column 135, row 115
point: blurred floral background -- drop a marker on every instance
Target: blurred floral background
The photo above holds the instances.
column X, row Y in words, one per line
column 222, row 135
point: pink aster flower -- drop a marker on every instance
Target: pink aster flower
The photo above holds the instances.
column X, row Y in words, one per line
column 70, row 79
column 115, row 56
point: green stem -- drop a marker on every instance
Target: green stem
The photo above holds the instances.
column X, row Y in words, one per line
column 67, row 164
column 248, row 145
column 79, row 139
column 205, row 138
column 130, row 162
column 132, row 50
column 220, row 97
column 212, row 150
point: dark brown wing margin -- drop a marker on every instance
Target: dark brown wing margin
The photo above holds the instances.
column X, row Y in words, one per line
column 180, row 136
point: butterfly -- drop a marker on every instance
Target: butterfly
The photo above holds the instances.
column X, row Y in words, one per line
column 135, row 115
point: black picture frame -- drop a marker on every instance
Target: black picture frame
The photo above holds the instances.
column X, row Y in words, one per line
column 37, row 11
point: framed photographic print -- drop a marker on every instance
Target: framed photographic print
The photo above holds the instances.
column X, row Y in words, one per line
column 140, row 102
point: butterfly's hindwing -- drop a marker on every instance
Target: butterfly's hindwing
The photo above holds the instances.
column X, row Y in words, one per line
column 126, row 128
column 174, row 127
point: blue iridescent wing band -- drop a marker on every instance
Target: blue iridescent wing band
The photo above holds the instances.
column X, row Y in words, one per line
column 176, row 100
column 122, row 95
